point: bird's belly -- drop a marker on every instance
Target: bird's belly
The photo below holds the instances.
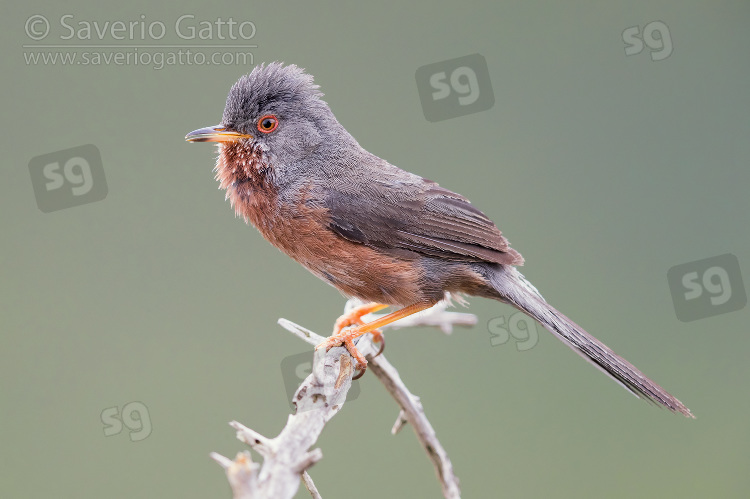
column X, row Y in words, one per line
column 354, row 269
column 301, row 231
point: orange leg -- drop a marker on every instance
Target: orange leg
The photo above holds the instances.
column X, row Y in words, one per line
column 354, row 317
column 346, row 335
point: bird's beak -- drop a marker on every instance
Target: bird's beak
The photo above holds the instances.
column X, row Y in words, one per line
column 216, row 133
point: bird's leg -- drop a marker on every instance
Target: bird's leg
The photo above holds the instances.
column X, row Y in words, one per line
column 343, row 334
column 354, row 317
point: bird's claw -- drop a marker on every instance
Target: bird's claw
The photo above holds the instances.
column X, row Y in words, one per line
column 345, row 337
column 378, row 337
column 346, row 330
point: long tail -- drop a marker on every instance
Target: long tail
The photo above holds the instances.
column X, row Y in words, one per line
column 515, row 290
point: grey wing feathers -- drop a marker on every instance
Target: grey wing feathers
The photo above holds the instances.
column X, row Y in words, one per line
column 424, row 218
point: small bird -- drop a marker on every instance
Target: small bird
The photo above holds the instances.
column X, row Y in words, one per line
column 371, row 230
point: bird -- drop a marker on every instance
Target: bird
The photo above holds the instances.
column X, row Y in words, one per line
column 375, row 232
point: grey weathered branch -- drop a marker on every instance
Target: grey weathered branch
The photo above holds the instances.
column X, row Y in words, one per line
column 307, row 480
column 321, row 395
column 413, row 413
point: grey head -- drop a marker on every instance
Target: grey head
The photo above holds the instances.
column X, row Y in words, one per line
column 275, row 111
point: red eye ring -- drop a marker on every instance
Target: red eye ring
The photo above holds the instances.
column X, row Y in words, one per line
column 268, row 123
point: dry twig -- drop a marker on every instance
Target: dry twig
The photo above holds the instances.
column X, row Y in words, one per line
column 321, row 395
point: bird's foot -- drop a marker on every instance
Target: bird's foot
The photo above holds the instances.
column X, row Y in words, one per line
column 346, row 338
column 346, row 330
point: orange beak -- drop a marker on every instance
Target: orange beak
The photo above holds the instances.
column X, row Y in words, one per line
column 216, row 133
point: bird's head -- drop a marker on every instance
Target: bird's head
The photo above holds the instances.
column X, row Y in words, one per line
column 274, row 116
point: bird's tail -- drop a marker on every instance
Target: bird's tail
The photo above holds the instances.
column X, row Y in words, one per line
column 515, row 290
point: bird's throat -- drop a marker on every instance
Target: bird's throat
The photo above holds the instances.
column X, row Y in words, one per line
column 244, row 172
column 240, row 163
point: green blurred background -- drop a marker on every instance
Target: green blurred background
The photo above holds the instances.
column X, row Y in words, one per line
column 604, row 170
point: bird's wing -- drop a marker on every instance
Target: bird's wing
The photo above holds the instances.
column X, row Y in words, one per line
column 418, row 216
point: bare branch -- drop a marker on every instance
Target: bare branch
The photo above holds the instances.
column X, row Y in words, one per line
column 225, row 462
column 400, row 422
column 413, row 413
column 286, row 457
column 310, row 485
column 302, row 333
column 321, row 395
column 252, row 438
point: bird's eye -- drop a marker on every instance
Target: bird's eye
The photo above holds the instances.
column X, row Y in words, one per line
column 268, row 123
